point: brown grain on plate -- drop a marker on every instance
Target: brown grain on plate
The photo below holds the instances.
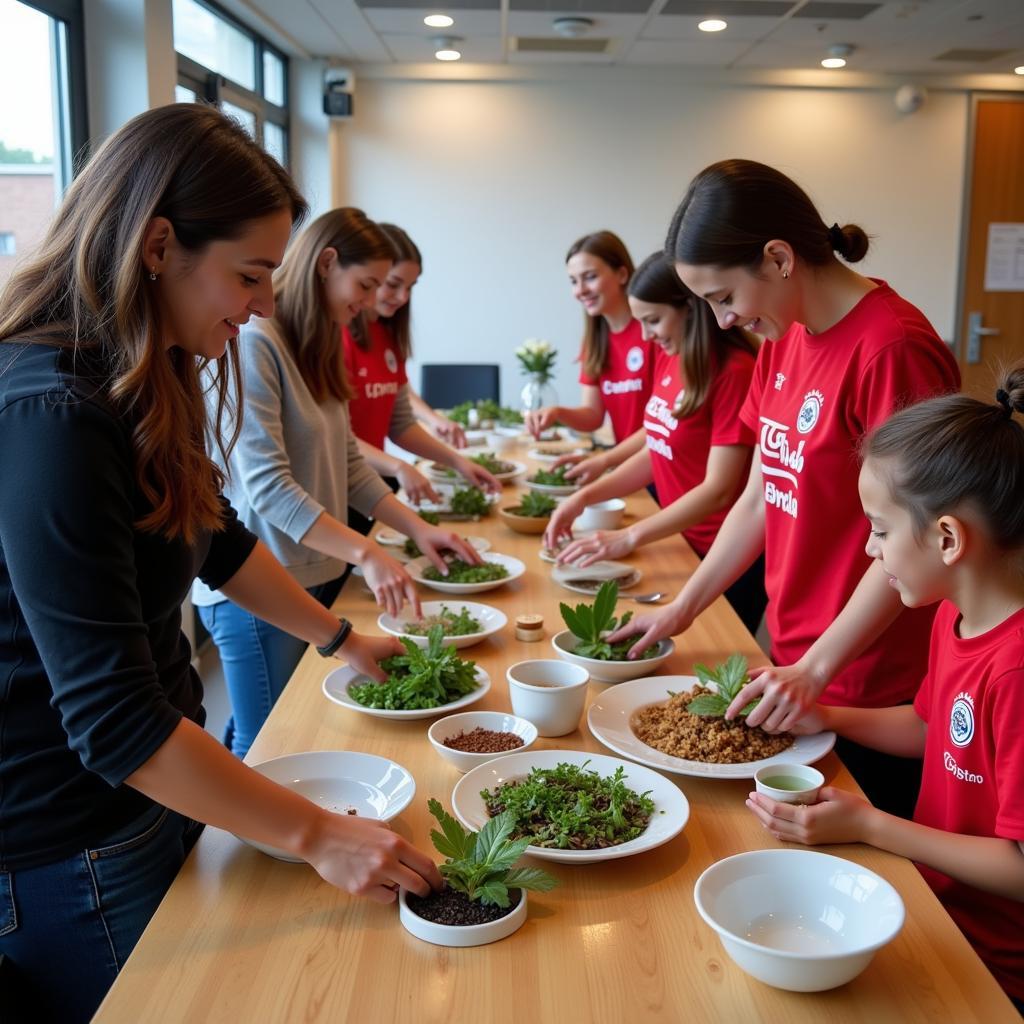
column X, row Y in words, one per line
column 670, row 728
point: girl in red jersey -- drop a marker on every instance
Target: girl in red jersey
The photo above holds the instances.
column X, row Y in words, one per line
column 617, row 368
column 941, row 486
column 697, row 449
column 376, row 347
column 847, row 352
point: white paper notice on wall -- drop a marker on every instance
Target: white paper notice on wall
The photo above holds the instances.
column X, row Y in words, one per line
column 1004, row 258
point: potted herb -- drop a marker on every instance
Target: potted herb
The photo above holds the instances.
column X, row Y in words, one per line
column 585, row 642
column 532, row 513
column 484, row 897
column 485, row 412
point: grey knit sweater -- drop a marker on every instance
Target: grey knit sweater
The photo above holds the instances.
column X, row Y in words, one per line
column 294, row 460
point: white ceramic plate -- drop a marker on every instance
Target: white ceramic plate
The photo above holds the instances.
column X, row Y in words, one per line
column 375, row 787
column 611, row 711
column 671, row 808
column 591, row 586
column 539, row 455
column 443, row 507
column 513, row 565
column 337, row 682
column 441, row 474
column 396, row 539
column 489, row 618
column 555, row 490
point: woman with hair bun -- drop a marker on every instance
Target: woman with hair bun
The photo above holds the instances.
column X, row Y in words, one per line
column 844, row 352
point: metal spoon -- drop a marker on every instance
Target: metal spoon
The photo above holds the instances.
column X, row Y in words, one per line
column 652, row 598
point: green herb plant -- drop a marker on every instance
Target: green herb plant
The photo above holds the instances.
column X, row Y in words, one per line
column 487, row 410
column 726, row 680
column 423, row 677
column 459, row 623
column 535, row 504
column 590, row 624
column 571, row 807
column 480, row 863
column 462, row 572
column 470, row 501
column 429, row 517
column 552, row 477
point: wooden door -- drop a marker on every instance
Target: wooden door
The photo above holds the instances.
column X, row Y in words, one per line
column 996, row 186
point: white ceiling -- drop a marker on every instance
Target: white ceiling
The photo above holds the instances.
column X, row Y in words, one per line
column 889, row 36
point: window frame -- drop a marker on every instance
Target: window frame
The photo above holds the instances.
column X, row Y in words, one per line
column 215, row 87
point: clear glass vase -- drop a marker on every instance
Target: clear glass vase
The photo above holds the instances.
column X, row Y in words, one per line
column 537, row 393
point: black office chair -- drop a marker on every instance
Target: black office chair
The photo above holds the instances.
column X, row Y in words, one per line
column 444, row 385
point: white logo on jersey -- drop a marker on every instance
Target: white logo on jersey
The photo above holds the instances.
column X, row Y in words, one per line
column 390, row 361
column 634, row 359
column 961, row 773
column 961, row 720
column 775, row 448
column 809, row 411
column 363, row 371
column 665, row 381
column 780, row 379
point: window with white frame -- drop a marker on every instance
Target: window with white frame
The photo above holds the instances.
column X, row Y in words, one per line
column 224, row 61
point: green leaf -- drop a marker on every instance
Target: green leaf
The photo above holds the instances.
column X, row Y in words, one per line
column 604, row 605
column 533, row 879
column 733, row 676
column 456, row 843
column 708, row 705
column 490, row 838
column 493, row 892
column 750, row 707
column 570, row 617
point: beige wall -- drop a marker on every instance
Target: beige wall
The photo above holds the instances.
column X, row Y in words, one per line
column 494, row 180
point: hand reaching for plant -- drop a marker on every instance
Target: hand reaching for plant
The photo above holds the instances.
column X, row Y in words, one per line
column 787, row 694
column 364, row 857
column 539, row 420
column 600, row 544
column 837, row 817
column 390, row 584
column 587, row 470
column 432, row 541
column 569, row 459
column 449, row 431
column 416, row 486
column 477, row 475
column 652, row 627
column 560, row 523
column 364, row 653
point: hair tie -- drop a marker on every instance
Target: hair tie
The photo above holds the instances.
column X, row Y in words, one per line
column 836, row 238
column 1003, row 398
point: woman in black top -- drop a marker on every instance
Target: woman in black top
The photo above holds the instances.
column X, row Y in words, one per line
column 109, row 508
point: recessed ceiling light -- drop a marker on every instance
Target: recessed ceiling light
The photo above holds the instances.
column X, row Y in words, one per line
column 833, row 62
column 446, row 48
column 448, row 55
column 712, row 25
column 438, row 21
column 1019, row 71
column 837, row 54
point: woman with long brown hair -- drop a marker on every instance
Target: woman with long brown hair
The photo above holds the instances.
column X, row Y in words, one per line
column 616, row 362
column 110, row 507
column 296, row 467
column 697, row 451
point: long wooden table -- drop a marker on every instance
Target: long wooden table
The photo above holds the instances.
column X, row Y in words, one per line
column 243, row 937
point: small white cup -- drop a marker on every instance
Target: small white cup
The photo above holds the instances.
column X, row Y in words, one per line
column 789, row 783
column 500, row 443
column 549, row 693
column 602, row 515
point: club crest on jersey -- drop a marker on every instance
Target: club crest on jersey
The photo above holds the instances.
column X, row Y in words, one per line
column 961, row 720
column 665, row 381
column 390, row 361
column 809, row 411
column 634, row 359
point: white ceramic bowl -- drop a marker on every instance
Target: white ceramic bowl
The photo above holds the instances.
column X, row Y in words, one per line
column 489, row 618
column 602, row 515
column 798, row 919
column 496, row 721
column 500, row 443
column 337, row 682
column 374, row 787
column 549, row 693
column 565, row 642
column 515, row 568
column 802, row 782
column 461, row 935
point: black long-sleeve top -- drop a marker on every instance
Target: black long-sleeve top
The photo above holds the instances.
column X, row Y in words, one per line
column 95, row 672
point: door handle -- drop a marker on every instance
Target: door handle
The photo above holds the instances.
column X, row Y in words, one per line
column 975, row 332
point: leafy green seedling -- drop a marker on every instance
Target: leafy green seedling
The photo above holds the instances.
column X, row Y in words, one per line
column 590, row 623
column 480, row 863
column 535, row 504
column 727, row 679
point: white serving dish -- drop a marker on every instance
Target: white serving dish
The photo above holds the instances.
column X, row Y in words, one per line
column 514, row 566
column 496, row 721
column 490, row 618
column 671, row 808
column 609, row 716
column 549, row 693
column 602, row 515
column 439, row 474
column 555, row 490
column 798, row 919
column 337, row 682
column 461, row 935
column 611, row 671
column 376, row 787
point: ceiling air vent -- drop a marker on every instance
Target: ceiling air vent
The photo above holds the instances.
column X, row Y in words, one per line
column 827, row 10
column 972, row 56
column 541, row 44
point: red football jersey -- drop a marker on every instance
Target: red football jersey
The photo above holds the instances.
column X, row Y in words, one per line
column 375, row 375
column 625, row 382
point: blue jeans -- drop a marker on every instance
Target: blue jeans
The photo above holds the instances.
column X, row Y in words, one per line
column 66, row 929
column 258, row 660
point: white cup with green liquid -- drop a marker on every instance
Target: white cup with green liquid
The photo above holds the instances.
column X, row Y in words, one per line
column 789, row 783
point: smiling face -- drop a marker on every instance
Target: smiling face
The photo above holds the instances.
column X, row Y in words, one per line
column 349, row 290
column 204, row 298
column 765, row 303
column 661, row 323
column 914, row 564
column 599, row 288
column 396, row 290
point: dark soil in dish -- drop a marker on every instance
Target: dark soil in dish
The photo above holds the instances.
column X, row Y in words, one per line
column 449, row 906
